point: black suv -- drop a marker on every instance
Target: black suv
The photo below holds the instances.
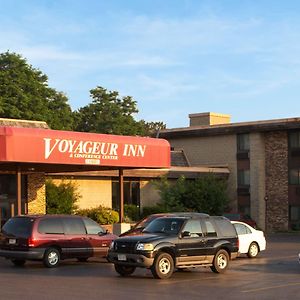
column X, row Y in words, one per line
column 177, row 242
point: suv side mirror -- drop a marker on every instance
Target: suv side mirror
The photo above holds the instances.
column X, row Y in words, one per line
column 185, row 234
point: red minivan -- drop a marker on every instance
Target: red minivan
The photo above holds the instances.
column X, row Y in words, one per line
column 51, row 238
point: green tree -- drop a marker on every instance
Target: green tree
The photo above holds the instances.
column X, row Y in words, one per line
column 206, row 194
column 25, row 94
column 62, row 198
column 112, row 114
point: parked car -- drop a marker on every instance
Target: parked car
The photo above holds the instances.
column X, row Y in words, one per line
column 140, row 225
column 241, row 218
column 51, row 238
column 251, row 240
column 179, row 242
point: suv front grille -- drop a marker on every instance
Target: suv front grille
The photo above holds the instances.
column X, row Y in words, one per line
column 125, row 247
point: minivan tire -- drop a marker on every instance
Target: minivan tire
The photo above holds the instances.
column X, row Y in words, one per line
column 163, row 266
column 18, row 262
column 124, row 270
column 51, row 258
column 220, row 262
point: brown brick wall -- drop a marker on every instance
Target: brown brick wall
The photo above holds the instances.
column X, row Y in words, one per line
column 276, row 160
column 36, row 194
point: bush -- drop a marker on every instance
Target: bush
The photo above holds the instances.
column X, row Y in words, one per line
column 62, row 198
column 100, row 214
column 206, row 194
column 131, row 212
column 149, row 210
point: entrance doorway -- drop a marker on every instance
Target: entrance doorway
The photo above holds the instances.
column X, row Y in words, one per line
column 8, row 196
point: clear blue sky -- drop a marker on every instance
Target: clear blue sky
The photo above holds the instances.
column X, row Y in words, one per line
column 174, row 57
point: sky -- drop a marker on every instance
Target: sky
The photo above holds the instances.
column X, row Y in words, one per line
column 174, row 57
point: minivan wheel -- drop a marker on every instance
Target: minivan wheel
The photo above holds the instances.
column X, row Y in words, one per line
column 163, row 266
column 220, row 262
column 253, row 250
column 18, row 262
column 124, row 270
column 51, row 257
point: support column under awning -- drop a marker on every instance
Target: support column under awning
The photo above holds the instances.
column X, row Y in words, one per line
column 121, row 195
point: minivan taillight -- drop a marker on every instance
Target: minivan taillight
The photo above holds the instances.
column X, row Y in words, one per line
column 31, row 242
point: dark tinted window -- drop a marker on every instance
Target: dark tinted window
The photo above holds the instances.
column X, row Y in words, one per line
column 18, row 227
column 193, row 227
column 210, row 229
column 51, row 226
column 165, row 225
column 92, row 227
column 225, row 227
column 74, row 226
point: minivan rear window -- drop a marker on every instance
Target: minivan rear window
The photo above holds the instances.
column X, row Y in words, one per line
column 18, row 227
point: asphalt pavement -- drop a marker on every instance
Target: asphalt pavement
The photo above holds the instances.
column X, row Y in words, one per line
column 274, row 274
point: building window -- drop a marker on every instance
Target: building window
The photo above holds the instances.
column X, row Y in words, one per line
column 294, row 217
column 243, row 177
column 243, row 144
column 131, row 194
column 294, row 140
column 294, row 176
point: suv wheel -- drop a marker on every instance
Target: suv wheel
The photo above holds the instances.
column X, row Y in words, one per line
column 51, row 257
column 124, row 270
column 253, row 250
column 163, row 266
column 220, row 262
column 18, row 262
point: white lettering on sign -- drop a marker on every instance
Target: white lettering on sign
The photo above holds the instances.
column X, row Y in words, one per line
column 134, row 150
column 74, row 148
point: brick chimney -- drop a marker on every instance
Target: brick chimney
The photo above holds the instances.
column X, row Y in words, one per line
column 208, row 119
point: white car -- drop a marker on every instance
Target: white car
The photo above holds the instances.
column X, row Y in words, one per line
column 251, row 241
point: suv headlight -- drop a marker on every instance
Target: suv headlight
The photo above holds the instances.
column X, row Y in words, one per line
column 145, row 247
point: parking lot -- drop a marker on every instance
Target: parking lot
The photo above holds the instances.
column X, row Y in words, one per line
column 274, row 274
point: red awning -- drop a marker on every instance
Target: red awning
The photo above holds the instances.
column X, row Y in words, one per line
column 45, row 146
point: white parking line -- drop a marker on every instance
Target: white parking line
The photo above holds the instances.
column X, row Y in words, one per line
column 271, row 287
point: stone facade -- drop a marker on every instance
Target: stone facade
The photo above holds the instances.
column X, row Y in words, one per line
column 277, row 202
column 36, row 193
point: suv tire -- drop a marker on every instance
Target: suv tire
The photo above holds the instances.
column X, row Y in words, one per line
column 18, row 262
column 253, row 250
column 51, row 258
column 220, row 262
column 163, row 266
column 124, row 270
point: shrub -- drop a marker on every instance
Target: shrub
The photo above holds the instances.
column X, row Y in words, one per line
column 131, row 212
column 62, row 198
column 205, row 194
column 100, row 214
column 149, row 210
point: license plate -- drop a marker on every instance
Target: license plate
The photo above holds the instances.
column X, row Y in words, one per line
column 12, row 241
column 122, row 257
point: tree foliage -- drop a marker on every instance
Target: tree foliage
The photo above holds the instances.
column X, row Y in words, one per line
column 62, row 198
column 25, row 94
column 206, row 194
column 112, row 114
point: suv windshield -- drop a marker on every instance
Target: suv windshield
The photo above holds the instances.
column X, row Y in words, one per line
column 18, row 227
column 165, row 225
